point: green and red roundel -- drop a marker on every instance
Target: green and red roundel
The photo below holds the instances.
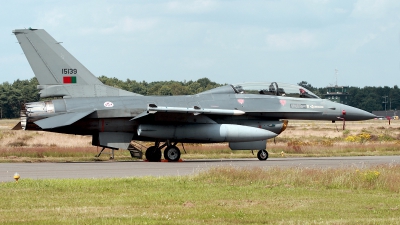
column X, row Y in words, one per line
column 69, row 80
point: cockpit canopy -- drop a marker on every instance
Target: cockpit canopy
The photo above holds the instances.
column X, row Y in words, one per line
column 274, row 88
column 265, row 88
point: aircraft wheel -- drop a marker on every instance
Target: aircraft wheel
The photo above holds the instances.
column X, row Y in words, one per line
column 153, row 154
column 262, row 155
column 172, row 153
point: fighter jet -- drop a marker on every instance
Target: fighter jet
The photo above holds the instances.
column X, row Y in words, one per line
column 243, row 115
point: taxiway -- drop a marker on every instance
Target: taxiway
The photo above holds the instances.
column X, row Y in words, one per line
column 140, row 168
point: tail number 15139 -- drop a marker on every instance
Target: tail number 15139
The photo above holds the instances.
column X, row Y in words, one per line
column 69, row 71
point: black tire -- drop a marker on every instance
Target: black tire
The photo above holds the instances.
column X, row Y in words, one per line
column 262, row 155
column 153, row 154
column 172, row 153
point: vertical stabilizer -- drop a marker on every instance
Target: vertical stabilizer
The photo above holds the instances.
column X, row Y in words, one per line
column 50, row 61
column 59, row 73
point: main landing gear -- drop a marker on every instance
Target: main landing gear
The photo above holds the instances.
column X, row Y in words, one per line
column 171, row 152
column 262, row 155
column 153, row 154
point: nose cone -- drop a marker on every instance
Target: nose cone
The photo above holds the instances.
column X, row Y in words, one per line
column 354, row 114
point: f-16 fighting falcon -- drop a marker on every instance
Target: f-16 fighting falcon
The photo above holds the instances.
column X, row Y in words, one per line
column 243, row 115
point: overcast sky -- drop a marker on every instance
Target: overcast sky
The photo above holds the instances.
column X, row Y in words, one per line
column 225, row 41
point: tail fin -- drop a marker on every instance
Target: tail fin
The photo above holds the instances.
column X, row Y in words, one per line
column 50, row 62
column 53, row 66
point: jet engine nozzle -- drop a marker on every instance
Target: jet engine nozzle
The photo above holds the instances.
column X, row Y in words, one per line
column 39, row 107
column 34, row 111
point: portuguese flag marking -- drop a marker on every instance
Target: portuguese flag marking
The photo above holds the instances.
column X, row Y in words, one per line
column 69, row 80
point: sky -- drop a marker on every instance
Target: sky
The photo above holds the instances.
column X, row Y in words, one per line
column 226, row 41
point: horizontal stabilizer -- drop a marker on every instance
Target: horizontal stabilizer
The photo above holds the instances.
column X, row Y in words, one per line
column 61, row 120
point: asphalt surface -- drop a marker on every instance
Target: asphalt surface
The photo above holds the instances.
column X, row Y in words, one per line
column 141, row 168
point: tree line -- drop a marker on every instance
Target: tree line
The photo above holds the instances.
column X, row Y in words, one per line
column 13, row 95
column 366, row 98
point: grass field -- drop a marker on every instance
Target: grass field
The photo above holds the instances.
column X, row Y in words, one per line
column 224, row 195
column 301, row 138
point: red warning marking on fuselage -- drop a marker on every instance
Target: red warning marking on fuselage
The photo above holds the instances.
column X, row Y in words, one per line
column 241, row 101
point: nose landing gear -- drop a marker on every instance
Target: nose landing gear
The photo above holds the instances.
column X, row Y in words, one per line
column 262, row 155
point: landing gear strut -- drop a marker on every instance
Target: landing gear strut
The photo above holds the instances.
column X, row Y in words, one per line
column 171, row 152
column 262, row 155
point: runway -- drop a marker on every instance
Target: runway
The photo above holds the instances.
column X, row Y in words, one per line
column 140, row 168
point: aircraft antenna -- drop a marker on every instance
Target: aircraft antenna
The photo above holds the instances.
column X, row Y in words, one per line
column 336, row 73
